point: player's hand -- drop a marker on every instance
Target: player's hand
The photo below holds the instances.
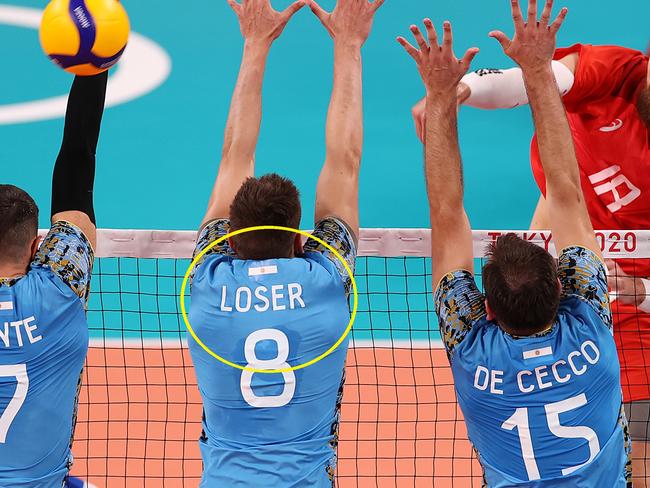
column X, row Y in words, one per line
column 350, row 21
column 440, row 69
column 419, row 110
column 629, row 290
column 533, row 45
column 259, row 22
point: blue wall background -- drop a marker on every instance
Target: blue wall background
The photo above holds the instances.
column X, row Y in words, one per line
column 159, row 154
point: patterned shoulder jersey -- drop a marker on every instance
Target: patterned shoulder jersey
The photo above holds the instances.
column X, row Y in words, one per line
column 332, row 231
column 270, row 429
column 68, row 254
column 44, row 341
column 583, row 276
column 543, row 410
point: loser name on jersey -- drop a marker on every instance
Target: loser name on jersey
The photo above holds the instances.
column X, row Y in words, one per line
column 276, row 298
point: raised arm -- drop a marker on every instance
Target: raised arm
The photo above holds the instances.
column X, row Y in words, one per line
column 441, row 72
column 73, row 180
column 337, row 194
column 532, row 49
column 260, row 25
column 492, row 89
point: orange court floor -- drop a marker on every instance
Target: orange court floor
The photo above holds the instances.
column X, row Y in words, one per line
column 139, row 421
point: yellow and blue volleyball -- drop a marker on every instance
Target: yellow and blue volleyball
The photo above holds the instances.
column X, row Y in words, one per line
column 84, row 37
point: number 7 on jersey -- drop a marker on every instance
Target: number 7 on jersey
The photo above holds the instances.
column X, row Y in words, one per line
column 18, row 371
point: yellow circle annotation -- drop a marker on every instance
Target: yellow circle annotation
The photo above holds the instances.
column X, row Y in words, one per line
column 353, row 315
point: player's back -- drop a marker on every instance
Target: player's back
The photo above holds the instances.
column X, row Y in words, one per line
column 44, row 340
column 545, row 410
column 269, row 429
column 551, row 403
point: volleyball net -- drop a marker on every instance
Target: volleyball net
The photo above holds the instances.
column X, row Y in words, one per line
column 139, row 416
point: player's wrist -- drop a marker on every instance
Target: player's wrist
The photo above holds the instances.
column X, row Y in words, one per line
column 441, row 97
column 345, row 44
column 258, row 45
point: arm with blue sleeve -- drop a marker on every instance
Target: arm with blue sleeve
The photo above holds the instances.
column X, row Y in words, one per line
column 459, row 305
column 582, row 275
column 68, row 248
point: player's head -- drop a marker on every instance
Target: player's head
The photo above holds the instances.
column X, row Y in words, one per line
column 643, row 102
column 269, row 200
column 521, row 286
column 18, row 226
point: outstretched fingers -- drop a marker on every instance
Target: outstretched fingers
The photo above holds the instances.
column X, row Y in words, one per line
column 502, row 38
column 532, row 12
column 469, row 56
column 447, row 39
column 517, row 16
column 408, row 47
column 293, row 8
column 557, row 23
column 419, row 38
column 546, row 14
column 431, row 33
column 376, row 4
column 318, row 10
column 235, row 6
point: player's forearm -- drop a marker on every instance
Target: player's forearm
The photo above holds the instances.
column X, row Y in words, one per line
column 242, row 131
column 74, row 172
column 567, row 211
column 443, row 167
column 345, row 115
column 443, row 171
column 555, row 141
column 245, row 116
column 497, row 88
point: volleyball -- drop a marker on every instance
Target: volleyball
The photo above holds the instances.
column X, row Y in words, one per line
column 84, row 37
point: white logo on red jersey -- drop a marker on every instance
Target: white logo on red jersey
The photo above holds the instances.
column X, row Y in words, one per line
column 611, row 180
column 614, row 126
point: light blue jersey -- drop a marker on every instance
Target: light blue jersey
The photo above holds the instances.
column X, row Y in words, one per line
column 43, row 346
column 541, row 411
column 270, row 429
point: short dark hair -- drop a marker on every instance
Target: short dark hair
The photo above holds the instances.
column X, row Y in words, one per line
column 521, row 287
column 643, row 106
column 269, row 200
column 18, row 222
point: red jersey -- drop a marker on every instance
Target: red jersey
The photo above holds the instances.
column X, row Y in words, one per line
column 612, row 146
